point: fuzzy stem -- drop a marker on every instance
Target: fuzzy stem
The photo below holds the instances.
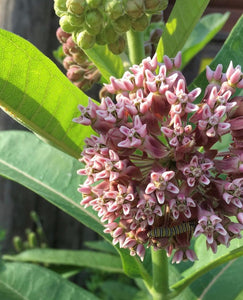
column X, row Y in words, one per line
column 135, row 44
column 160, row 288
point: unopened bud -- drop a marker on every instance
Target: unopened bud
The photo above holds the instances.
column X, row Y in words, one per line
column 118, row 47
column 76, row 7
column 148, row 49
column 155, row 36
column 68, row 62
column 85, row 40
column 93, row 3
column 140, row 24
column 77, row 21
column 122, row 24
column 62, row 36
column 32, row 240
column 72, row 47
column 41, row 234
column 100, row 38
column 134, row 8
column 155, row 6
column 114, row 9
column 110, row 34
column 79, row 57
column 60, row 7
column 66, row 24
column 93, row 17
column 18, row 244
column 74, row 73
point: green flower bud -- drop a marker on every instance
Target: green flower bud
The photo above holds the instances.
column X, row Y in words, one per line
column 141, row 23
column 119, row 46
column 122, row 24
column 60, row 7
column 18, row 244
column 94, row 30
column 79, row 58
column 134, row 8
column 94, row 3
column 110, row 34
column 94, row 17
column 84, row 40
column 66, row 25
column 32, row 240
column 155, row 6
column 76, row 7
column 100, row 38
column 77, row 21
column 114, row 8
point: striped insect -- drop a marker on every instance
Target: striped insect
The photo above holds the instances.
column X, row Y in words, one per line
column 161, row 232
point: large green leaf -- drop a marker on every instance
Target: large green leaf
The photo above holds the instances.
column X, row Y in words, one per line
column 19, row 281
column 107, row 63
column 178, row 28
column 204, row 31
column 79, row 258
column 53, row 175
column 35, row 92
column 208, row 261
column 223, row 282
column 231, row 51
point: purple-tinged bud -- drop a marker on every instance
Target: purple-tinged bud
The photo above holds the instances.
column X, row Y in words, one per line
column 155, row 6
column 114, row 8
column 75, row 73
column 76, row 7
column 122, row 24
column 68, row 62
column 85, row 40
column 62, row 36
column 117, row 47
column 134, row 8
column 141, row 23
column 155, row 35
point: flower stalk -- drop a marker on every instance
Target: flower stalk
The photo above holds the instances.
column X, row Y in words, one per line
column 160, row 289
column 135, row 43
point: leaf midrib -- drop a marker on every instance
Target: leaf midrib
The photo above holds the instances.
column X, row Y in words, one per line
column 49, row 188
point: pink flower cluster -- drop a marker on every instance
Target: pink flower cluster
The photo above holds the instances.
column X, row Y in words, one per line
column 155, row 160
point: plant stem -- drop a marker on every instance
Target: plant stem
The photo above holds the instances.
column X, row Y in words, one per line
column 135, row 44
column 160, row 288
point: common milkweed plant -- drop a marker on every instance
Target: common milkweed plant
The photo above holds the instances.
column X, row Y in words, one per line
column 161, row 161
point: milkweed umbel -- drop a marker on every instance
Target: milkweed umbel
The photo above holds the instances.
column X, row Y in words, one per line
column 161, row 232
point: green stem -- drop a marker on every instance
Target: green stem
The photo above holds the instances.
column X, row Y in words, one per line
column 135, row 44
column 160, row 287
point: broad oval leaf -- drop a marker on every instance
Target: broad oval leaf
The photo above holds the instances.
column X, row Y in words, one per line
column 223, row 282
column 35, row 93
column 208, row 261
column 79, row 258
column 182, row 20
column 19, row 281
column 204, row 31
column 53, row 175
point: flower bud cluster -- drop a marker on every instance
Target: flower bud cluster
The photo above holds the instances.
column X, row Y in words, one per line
column 105, row 21
column 152, row 164
column 80, row 70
